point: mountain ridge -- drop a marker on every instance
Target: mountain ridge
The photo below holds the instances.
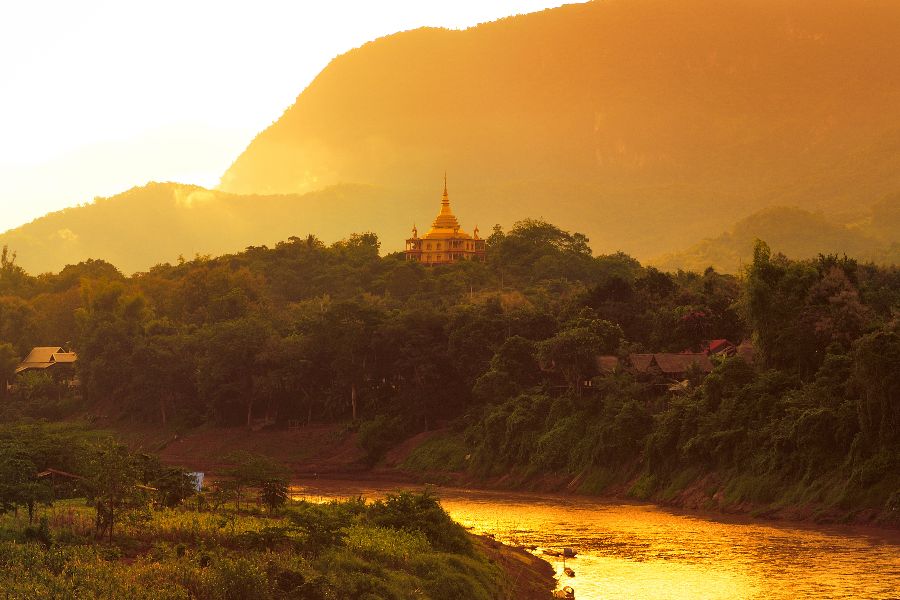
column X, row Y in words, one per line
column 647, row 125
column 698, row 113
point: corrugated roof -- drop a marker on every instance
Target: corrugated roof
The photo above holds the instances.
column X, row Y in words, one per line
column 44, row 357
column 65, row 357
column 607, row 363
column 25, row 366
column 717, row 344
column 42, row 354
column 640, row 362
column 671, row 364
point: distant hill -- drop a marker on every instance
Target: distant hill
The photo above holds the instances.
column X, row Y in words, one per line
column 160, row 221
column 647, row 124
column 792, row 231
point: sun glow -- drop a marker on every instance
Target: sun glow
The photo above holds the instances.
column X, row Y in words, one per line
column 98, row 96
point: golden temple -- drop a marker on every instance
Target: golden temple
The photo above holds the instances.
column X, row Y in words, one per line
column 445, row 242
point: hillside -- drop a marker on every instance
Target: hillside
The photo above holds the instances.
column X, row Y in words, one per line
column 647, row 124
column 794, row 232
column 158, row 222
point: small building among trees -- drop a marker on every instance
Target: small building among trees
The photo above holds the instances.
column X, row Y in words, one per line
column 671, row 365
column 47, row 357
column 53, row 360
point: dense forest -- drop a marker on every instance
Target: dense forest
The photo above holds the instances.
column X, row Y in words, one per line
column 502, row 355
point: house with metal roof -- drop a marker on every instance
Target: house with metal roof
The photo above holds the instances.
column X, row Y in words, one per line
column 671, row 365
column 47, row 357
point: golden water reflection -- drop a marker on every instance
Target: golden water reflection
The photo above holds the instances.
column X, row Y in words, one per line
column 642, row 551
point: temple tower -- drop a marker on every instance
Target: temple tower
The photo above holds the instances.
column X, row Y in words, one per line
column 445, row 242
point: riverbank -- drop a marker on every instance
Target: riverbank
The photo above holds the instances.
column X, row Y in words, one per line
column 333, row 452
column 819, row 501
column 630, row 550
column 530, row 577
column 346, row 549
column 706, row 495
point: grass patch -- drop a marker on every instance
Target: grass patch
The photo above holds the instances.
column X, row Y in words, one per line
column 679, row 482
column 644, row 487
column 759, row 489
column 596, row 481
column 318, row 551
column 439, row 453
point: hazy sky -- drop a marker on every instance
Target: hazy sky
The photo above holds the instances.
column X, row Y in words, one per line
column 97, row 96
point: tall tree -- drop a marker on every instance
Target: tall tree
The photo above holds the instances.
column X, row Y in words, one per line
column 114, row 485
column 230, row 364
column 9, row 359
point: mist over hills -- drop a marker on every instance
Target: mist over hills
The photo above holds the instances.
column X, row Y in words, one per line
column 158, row 222
column 646, row 124
column 796, row 233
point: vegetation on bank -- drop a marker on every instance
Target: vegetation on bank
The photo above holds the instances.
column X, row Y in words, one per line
column 120, row 526
column 307, row 551
column 500, row 351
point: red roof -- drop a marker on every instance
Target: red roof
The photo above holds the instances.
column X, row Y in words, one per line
column 715, row 346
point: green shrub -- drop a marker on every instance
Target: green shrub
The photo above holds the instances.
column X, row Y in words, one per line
column 421, row 512
column 644, row 487
column 380, row 434
column 384, row 545
column 440, row 453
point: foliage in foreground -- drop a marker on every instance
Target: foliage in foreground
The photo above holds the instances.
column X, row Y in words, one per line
column 402, row 547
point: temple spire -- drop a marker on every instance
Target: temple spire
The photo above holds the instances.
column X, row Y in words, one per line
column 445, row 202
column 445, row 199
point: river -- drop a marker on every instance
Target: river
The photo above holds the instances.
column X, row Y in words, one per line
column 638, row 551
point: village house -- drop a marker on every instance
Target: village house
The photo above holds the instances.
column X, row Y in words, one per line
column 670, row 365
column 51, row 359
column 720, row 347
column 675, row 366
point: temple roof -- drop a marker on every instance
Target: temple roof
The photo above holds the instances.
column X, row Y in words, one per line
column 445, row 225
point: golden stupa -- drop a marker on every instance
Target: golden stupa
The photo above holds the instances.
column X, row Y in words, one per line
column 445, row 242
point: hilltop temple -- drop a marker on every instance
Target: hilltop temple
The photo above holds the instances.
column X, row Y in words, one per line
column 445, row 242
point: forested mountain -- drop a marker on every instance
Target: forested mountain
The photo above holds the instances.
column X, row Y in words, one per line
column 163, row 222
column 798, row 234
column 646, row 124
column 649, row 125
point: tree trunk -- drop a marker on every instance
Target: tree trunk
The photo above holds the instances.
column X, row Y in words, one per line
column 162, row 410
column 353, row 398
column 248, row 390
